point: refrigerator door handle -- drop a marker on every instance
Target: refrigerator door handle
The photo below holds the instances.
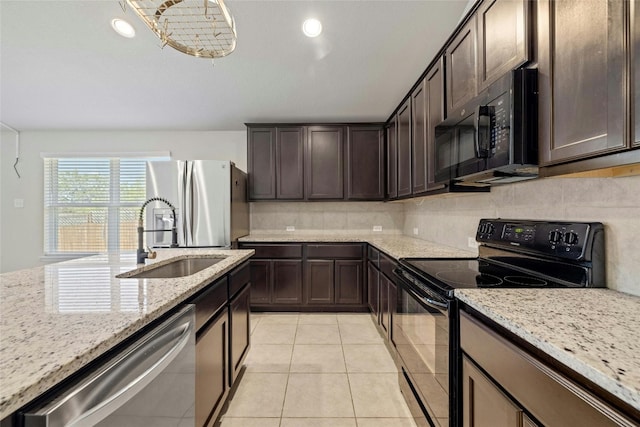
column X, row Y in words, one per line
column 184, row 186
column 189, row 196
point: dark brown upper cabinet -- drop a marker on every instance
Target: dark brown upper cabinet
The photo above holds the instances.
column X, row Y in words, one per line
column 365, row 163
column 434, row 84
column 392, row 158
column 261, row 150
column 324, row 165
column 581, row 60
column 503, row 38
column 419, row 125
column 404, row 149
column 289, row 163
column 461, row 67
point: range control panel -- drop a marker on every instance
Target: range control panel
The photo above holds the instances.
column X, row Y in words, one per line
column 569, row 240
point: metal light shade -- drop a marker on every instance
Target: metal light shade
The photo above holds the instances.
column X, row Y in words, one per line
column 202, row 28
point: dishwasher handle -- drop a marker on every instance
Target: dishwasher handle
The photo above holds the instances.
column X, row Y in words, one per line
column 104, row 392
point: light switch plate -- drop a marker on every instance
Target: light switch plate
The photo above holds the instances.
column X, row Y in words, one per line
column 290, row 228
column 415, row 231
column 377, row 228
column 18, row 203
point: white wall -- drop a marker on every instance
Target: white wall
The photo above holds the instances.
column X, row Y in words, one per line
column 615, row 202
column 21, row 230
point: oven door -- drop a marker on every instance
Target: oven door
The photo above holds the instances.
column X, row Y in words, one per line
column 423, row 331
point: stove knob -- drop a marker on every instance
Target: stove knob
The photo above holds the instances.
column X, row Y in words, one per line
column 570, row 238
column 490, row 228
column 555, row 237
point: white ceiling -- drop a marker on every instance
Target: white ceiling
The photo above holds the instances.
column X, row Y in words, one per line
column 63, row 67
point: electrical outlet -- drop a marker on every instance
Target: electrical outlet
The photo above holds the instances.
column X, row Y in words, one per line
column 290, row 228
column 471, row 242
column 415, row 231
column 377, row 228
column 18, row 203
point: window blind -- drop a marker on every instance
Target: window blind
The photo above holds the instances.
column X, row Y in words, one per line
column 91, row 204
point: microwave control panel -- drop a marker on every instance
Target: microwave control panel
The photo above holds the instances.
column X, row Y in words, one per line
column 500, row 123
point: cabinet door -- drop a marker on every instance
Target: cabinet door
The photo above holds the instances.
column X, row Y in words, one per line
column 392, row 302
column 239, row 332
column 419, row 139
column 348, row 282
column 324, row 166
column 404, row 149
column 287, row 282
column 581, row 78
column 384, row 303
column 289, row 163
column 461, row 67
column 373, row 289
column 483, row 404
column 261, row 152
column 434, row 83
column 260, row 281
column 392, row 159
column 365, row 163
column 319, row 279
column 212, row 382
column 503, row 38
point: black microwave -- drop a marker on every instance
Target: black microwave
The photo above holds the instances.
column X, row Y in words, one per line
column 493, row 138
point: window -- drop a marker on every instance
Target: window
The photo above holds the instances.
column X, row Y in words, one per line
column 91, row 205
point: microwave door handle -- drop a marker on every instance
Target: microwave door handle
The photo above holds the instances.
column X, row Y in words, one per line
column 482, row 131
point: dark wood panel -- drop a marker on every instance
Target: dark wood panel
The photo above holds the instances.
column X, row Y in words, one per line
column 210, row 301
column 635, row 86
column 385, row 319
column 349, row 282
column 290, row 163
column 392, row 159
column 404, row 149
column 238, row 278
column 581, row 78
column 211, row 370
column 365, row 163
column 261, row 150
column 461, row 67
column 324, row 165
column 274, row 250
column 373, row 289
column 503, row 38
column 287, row 282
column 335, row 251
column 239, row 323
column 261, row 279
column 435, row 114
column 373, row 255
column 387, row 264
column 419, row 139
column 319, row 278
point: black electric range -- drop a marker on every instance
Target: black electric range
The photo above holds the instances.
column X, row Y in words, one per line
column 512, row 254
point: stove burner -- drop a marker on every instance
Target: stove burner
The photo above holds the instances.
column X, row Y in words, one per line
column 525, row 281
column 466, row 277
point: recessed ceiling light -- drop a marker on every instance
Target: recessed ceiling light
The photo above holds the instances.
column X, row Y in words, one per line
column 123, row 28
column 312, row 27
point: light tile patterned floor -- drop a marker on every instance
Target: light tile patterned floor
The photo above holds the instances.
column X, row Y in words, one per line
column 317, row 370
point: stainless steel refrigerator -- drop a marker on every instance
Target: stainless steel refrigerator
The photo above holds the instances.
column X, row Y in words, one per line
column 210, row 197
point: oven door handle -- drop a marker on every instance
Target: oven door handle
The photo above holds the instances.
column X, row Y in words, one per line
column 438, row 305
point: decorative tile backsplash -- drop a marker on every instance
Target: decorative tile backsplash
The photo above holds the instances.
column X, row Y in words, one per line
column 452, row 219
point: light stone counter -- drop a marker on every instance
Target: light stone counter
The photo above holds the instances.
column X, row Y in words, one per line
column 595, row 332
column 57, row 318
column 396, row 245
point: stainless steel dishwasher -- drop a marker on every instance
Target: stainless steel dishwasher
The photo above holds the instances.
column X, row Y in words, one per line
column 149, row 383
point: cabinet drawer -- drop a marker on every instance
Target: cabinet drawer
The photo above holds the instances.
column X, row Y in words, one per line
column 387, row 265
column 210, row 301
column 334, row 251
column 238, row 278
column 374, row 255
column 275, row 251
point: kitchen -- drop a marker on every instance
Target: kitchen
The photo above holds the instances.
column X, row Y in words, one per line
column 449, row 220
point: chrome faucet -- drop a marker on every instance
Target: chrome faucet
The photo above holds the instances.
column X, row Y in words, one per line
column 141, row 254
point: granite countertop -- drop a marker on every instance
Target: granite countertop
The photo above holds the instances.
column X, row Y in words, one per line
column 57, row 318
column 595, row 332
column 396, row 245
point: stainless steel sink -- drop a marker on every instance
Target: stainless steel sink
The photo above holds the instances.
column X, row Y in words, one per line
column 178, row 268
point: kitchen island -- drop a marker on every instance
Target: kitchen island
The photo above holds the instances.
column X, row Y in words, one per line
column 58, row 318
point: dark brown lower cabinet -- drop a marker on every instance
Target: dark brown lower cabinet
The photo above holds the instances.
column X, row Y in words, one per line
column 349, row 282
column 506, row 385
column 373, row 288
column 385, row 319
column 212, row 380
column 319, row 288
column 239, row 331
column 287, row 282
column 333, row 282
